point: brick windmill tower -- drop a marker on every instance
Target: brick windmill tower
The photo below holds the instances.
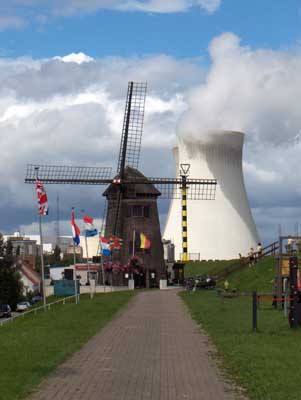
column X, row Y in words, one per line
column 131, row 196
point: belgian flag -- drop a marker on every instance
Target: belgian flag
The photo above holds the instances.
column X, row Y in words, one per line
column 142, row 241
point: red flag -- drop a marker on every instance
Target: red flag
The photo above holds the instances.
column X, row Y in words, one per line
column 42, row 198
column 115, row 243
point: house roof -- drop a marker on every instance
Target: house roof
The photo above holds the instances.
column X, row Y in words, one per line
column 29, row 272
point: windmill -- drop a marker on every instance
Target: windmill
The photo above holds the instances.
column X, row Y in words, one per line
column 131, row 196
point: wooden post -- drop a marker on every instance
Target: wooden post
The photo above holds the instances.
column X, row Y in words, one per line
column 254, row 311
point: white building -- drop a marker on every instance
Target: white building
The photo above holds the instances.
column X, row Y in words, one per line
column 30, row 279
column 220, row 228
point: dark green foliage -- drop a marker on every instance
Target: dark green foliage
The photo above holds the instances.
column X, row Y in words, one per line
column 10, row 287
column 35, row 345
column 53, row 259
column 6, row 253
column 56, row 255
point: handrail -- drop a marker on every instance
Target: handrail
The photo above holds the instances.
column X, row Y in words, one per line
column 34, row 310
column 270, row 249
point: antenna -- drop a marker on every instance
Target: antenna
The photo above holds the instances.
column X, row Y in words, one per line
column 57, row 222
column 297, row 228
column 279, row 230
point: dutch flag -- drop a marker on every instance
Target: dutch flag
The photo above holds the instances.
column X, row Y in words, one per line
column 105, row 246
column 90, row 230
column 75, row 229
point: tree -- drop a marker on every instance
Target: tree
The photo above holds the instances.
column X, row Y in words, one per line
column 10, row 283
column 10, row 287
column 6, row 253
column 57, row 255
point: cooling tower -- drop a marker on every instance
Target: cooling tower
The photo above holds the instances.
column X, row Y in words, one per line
column 220, row 228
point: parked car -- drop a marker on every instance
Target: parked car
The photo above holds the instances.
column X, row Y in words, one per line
column 23, row 306
column 35, row 299
column 205, row 282
column 5, row 311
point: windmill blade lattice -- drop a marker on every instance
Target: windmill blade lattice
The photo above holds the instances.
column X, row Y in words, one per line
column 130, row 144
column 68, row 175
column 171, row 188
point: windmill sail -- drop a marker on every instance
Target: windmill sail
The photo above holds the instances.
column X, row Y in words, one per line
column 129, row 153
column 130, row 144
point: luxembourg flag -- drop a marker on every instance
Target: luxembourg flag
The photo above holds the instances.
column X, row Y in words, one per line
column 75, row 229
column 105, row 246
column 90, row 230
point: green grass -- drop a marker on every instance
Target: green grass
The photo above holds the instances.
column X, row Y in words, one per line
column 31, row 347
column 259, row 277
column 194, row 268
column 266, row 362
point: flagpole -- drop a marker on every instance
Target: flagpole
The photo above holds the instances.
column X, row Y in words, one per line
column 41, row 251
column 75, row 281
column 133, row 250
column 76, row 292
column 87, row 254
column 101, row 263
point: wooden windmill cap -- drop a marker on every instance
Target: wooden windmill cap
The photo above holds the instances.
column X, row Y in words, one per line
column 136, row 189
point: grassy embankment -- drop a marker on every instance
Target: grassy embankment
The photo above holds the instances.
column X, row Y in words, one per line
column 194, row 268
column 266, row 362
column 33, row 346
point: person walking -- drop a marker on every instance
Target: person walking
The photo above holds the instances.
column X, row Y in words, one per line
column 259, row 251
column 251, row 257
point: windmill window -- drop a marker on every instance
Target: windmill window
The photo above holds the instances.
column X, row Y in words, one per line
column 138, row 211
column 146, row 211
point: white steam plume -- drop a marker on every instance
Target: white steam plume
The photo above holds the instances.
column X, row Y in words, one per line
column 254, row 91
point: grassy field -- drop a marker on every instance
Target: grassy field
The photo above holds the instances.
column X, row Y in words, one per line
column 31, row 347
column 266, row 362
column 259, row 277
column 194, row 268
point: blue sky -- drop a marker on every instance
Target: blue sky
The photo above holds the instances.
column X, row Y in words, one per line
column 193, row 53
column 268, row 23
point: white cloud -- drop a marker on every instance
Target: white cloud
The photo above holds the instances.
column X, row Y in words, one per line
column 43, row 11
column 255, row 91
column 49, row 228
column 58, row 112
column 77, row 58
column 11, row 22
column 262, row 175
column 69, row 7
column 71, row 113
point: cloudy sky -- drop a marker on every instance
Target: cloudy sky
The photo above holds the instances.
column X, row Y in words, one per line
column 64, row 68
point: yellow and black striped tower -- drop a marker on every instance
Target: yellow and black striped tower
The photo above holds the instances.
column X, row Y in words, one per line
column 184, row 173
column 184, row 220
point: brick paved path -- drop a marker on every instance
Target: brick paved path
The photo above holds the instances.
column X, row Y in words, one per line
column 153, row 350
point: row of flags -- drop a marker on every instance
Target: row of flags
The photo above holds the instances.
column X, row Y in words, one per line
column 141, row 241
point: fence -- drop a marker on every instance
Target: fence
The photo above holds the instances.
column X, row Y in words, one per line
column 36, row 309
column 271, row 249
column 258, row 300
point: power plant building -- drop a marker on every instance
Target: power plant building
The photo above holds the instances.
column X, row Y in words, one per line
column 220, row 228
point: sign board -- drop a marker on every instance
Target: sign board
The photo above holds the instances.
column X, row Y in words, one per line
column 285, row 267
column 65, row 287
